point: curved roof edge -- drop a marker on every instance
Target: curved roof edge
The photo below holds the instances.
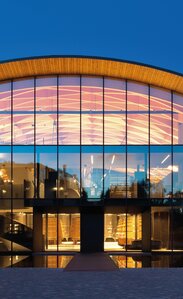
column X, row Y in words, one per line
column 91, row 65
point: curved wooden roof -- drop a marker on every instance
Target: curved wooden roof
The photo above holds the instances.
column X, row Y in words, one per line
column 91, row 66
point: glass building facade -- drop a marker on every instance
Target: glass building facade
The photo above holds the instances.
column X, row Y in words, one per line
column 69, row 143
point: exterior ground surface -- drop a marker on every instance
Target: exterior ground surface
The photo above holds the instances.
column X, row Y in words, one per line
column 126, row 283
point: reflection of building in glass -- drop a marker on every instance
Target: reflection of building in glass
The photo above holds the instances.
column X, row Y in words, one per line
column 91, row 156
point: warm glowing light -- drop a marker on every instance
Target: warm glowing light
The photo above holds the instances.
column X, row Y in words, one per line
column 174, row 168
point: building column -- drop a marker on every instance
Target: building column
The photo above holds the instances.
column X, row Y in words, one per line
column 92, row 229
column 146, row 229
column 38, row 238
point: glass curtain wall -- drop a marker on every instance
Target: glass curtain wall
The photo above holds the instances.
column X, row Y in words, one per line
column 99, row 130
column 91, row 138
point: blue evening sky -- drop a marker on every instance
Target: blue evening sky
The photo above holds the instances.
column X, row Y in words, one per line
column 138, row 30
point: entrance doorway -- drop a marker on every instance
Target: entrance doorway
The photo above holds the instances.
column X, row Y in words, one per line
column 92, row 229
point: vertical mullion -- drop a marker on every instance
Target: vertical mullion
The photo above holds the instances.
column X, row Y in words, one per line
column 46, row 215
column 11, row 221
column 35, row 164
column 80, row 147
column 57, row 185
column 103, row 141
column 149, row 149
column 126, row 205
column 172, row 179
column 149, row 141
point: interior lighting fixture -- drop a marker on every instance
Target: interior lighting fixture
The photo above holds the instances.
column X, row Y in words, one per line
column 165, row 159
column 173, row 168
column 113, row 158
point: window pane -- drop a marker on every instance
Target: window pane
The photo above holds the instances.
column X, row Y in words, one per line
column 5, row 129
column 115, row 231
column 137, row 113
column 46, row 129
column 5, row 117
column 92, row 172
column 50, row 231
column 5, row 96
column 23, row 172
column 115, row 172
column 46, row 94
column 134, row 231
column 177, row 172
column 69, row 129
column 69, row 110
column 46, row 172
column 115, row 115
column 137, row 172
column 23, row 95
column 69, row 172
column 92, row 110
column 69, row 232
column 23, row 128
column 5, row 225
column 69, row 94
column 61, row 232
column 177, row 228
column 177, row 118
column 160, row 172
column 160, row 227
column 160, row 116
column 5, row 174
column 22, row 227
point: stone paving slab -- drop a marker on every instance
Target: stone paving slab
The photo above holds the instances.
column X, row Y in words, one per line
column 91, row 262
column 29, row 283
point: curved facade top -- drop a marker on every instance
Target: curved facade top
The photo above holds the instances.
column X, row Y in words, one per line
column 91, row 66
column 79, row 133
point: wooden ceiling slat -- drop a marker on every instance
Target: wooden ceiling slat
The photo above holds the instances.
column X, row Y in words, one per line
column 91, row 66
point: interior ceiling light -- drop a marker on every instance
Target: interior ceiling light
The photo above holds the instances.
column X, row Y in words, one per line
column 113, row 158
column 165, row 159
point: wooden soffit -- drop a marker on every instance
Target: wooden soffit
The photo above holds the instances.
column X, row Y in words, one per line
column 91, row 66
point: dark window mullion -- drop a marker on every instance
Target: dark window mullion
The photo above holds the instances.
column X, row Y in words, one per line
column 103, row 153
column 126, row 107
column 80, row 137
column 11, row 175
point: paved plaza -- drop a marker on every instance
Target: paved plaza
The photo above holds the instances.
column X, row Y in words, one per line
column 125, row 283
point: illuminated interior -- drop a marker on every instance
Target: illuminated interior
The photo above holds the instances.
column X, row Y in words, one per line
column 57, row 107
column 92, row 139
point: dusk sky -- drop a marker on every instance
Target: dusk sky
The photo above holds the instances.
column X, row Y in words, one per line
column 149, row 32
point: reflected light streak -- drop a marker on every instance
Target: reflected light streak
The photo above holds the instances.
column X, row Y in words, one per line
column 113, row 158
column 165, row 159
column 92, row 159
